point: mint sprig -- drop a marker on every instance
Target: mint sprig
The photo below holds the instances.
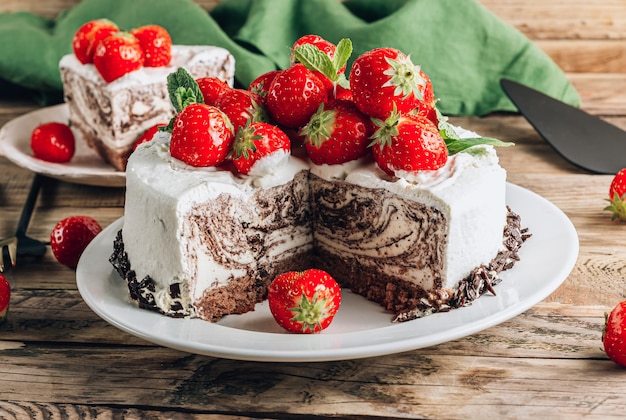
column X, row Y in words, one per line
column 183, row 89
column 456, row 144
column 315, row 59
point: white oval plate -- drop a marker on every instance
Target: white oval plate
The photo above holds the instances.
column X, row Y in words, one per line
column 361, row 328
column 86, row 167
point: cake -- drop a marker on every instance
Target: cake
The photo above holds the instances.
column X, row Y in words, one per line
column 110, row 116
column 206, row 242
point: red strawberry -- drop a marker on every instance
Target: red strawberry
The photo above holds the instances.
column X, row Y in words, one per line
column 202, row 135
column 428, row 105
column 212, row 88
column 294, row 95
column 257, row 141
column 617, row 196
column 53, row 142
column 156, row 44
column 241, row 106
column 117, row 55
column 261, row 84
column 304, row 302
column 89, row 35
column 70, row 237
column 5, row 298
column 337, row 133
column 614, row 334
column 383, row 78
column 408, row 143
column 147, row 135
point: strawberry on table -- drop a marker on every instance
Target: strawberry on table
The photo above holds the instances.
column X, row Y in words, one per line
column 89, row 35
column 384, row 78
column 617, row 196
column 337, row 133
column 5, row 298
column 614, row 334
column 294, row 95
column 304, row 302
column 242, row 107
column 212, row 88
column 53, row 142
column 408, row 143
column 256, row 142
column 70, row 237
column 117, row 55
column 155, row 43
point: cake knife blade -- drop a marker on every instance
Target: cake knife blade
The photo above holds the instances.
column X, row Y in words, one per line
column 583, row 139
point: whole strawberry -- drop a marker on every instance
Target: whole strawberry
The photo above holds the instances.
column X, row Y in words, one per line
column 53, row 142
column 89, row 35
column 242, row 107
column 202, row 135
column 304, row 302
column 155, row 43
column 617, row 196
column 408, row 143
column 254, row 143
column 337, row 133
column 70, row 237
column 614, row 334
column 117, row 55
column 212, row 88
column 384, row 78
column 5, row 298
column 294, row 95
column 261, row 84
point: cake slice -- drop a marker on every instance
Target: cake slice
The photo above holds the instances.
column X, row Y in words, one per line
column 110, row 116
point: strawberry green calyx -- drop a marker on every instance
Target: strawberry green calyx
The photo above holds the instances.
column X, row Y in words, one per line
column 315, row 59
column 617, row 206
column 320, row 126
column 311, row 313
column 385, row 129
column 244, row 143
column 404, row 77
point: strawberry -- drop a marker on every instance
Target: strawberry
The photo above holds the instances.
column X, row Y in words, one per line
column 383, row 78
column 337, row 133
column 408, row 143
column 261, row 84
column 617, row 196
column 155, row 43
column 202, row 135
column 70, row 237
column 89, row 35
column 53, row 142
column 324, row 46
column 212, row 88
column 241, row 106
column 5, row 298
column 304, row 302
column 294, row 95
column 117, row 55
column 147, row 135
column 428, row 105
column 256, row 141
column 614, row 334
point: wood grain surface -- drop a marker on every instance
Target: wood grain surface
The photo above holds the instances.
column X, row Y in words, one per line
column 60, row 360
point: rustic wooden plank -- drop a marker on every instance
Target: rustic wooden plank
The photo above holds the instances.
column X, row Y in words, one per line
column 587, row 56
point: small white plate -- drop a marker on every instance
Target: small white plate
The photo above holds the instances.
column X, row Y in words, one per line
column 86, row 167
column 361, row 328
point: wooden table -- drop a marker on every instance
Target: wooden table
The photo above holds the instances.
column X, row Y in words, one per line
column 58, row 358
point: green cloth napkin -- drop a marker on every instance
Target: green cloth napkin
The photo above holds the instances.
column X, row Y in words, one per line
column 463, row 47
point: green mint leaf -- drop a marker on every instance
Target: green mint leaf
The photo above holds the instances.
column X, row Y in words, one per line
column 315, row 59
column 458, row 145
column 342, row 54
column 183, row 89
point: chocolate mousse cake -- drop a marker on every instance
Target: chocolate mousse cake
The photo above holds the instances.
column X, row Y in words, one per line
column 110, row 116
column 206, row 242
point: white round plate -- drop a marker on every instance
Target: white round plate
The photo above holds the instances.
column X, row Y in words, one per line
column 360, row 328
column 86, row 167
